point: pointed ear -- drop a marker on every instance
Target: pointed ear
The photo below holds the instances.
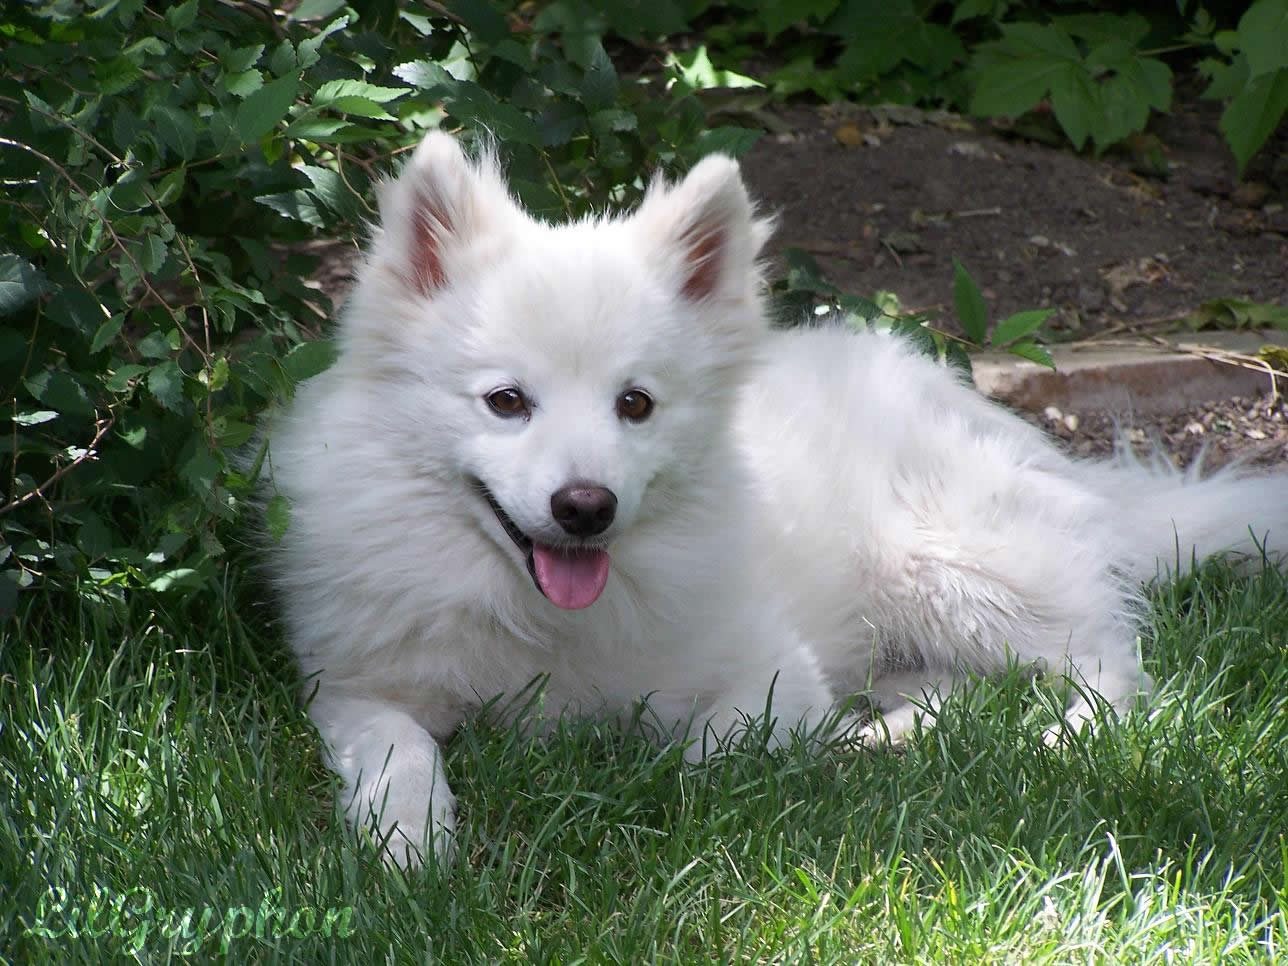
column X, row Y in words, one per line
column 706, row 229
column 437, row 206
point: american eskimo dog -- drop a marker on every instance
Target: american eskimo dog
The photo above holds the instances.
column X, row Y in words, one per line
column 578, row 451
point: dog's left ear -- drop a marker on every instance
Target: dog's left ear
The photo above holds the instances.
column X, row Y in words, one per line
column 441, row 204
column 706, row 230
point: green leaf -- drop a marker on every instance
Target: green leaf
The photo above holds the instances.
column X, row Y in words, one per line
column 335, row 90
column 733, row 141
column 278, row 517
column 481, row 19
column 35, row 418
column 200, row 470
column 10, row 579
column 308, row 359
column 1102, row 28
column 233, row 433
column 177, row 579
column 1254, row 115
column 182, row 16
column 20, row 283
column 76, row 309
column 481, row 107
column 1039, row 41
column 107, row 332
column 216, row 377
column 171, row 186
column 283, row 60
column 424, row 75
column 165, row 382
column 1034, row 353
column 119, row 380
column 298, row 204
column 330, row 189
column 1019, row 325
column 1263, row 37
column 561, row 121
column 93, row 539
column 59, row 390
column 358, row 106
column 804, row 274
column 778, row 15
column 154, row 345
column 969, row 9
column 971, row 310
column 316, row 9
column 1234, row 313
column 1010, row 88
column 860, row 309
column 244, row 84
column 1013, row 74
column 260, row 112
column 235, row 60
column 316, row 128
column 308, row 51
column 1076, row 103
column 152, row 253
column 116, row 75
column 599, row 87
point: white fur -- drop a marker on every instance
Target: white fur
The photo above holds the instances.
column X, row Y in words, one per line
column 820, row 511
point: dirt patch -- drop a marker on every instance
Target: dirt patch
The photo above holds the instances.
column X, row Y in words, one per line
column 1251, row 430
column 885, row 199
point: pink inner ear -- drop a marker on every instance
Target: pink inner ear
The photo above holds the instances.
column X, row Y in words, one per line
column 429, row 225
column 705, row 246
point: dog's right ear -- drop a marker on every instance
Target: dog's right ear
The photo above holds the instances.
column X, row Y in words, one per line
column 438, row 205
column 706, row 231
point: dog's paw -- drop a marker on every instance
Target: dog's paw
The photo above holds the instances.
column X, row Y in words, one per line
column 409, row 812
column 407, row 842
column 890, row 729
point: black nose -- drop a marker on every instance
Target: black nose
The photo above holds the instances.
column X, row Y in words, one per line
column 583, row 509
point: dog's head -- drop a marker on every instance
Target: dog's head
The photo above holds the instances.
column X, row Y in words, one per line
column 573, row 379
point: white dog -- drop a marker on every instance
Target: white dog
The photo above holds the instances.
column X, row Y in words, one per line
column 579, row 451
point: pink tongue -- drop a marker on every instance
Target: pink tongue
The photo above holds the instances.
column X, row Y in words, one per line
column 572, row 579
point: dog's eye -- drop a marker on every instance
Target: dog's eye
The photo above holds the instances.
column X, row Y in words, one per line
column 635, row 405
column 508, row 402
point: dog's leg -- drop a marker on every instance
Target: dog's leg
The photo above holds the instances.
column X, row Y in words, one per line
column 393, row 774
column 1100, row 676
column 901, row 698
column 795, row 696
column 1078, row 624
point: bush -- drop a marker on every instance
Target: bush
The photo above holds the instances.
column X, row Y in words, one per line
column 166, row 167
column 163, row 172
column 1101, row 73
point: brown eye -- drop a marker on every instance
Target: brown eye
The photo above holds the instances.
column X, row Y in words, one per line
column 508, row 402
column 635, row 405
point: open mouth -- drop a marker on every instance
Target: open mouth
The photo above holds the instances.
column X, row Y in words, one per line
column 570, row 577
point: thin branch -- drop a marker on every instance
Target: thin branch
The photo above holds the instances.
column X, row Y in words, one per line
column 101, row 426
column 107, row 224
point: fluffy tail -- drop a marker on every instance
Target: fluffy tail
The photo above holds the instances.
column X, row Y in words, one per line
column 1169, row 519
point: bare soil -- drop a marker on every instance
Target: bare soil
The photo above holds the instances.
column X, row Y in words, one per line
column 1251, row 431
column 886, row 198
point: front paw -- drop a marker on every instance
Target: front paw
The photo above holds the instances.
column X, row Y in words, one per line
column 408, row 828
column 408, row 839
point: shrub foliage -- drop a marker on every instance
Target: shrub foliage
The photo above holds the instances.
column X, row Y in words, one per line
column 166, row 168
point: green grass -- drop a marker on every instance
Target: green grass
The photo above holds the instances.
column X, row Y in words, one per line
column 156, row 764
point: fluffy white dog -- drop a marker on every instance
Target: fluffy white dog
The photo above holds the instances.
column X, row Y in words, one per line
column 579, row 451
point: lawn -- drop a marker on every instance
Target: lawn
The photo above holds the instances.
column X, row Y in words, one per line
column 163, row 798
